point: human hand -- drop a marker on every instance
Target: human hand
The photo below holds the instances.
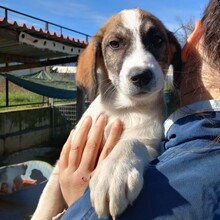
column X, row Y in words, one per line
column 80, row 156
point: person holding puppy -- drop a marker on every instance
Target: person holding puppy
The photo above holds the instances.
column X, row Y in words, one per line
column 184, row 181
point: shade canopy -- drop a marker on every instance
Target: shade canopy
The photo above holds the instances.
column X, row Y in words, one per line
column 45, row 83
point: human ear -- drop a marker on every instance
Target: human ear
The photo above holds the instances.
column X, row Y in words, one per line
column 192, row 40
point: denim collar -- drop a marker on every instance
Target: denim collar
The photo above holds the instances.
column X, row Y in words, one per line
column 197, row 107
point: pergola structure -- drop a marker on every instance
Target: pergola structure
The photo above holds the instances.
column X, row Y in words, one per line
column 26, row 47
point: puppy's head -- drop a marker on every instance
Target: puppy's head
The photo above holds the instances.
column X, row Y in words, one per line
column 133, row 51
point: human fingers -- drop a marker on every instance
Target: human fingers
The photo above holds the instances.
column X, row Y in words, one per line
column 114, row 135
column 64, row 155
column 78, row 143
column 92, row 148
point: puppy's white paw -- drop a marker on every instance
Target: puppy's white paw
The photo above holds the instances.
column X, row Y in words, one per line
column 118, row 180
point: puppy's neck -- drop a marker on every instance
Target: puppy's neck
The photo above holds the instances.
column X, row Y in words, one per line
column 117, row 103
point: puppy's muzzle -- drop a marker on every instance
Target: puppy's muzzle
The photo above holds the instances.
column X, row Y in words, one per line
column 142, row 79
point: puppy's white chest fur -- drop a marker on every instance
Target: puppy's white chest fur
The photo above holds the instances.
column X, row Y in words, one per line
column 143, row 123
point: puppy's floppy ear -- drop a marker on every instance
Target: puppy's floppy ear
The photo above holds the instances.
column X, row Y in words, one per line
column 86, row 75
column 176, row 59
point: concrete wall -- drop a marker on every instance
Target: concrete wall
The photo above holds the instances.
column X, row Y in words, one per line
column 32, row 128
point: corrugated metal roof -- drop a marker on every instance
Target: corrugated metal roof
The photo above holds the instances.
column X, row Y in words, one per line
column 38, row 32
column 12, row 50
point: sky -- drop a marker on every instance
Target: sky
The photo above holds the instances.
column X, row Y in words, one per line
column 88, row 15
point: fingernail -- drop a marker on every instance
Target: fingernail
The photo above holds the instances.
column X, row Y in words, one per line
column 87, row 119
column 117, row 123
column 103, row 117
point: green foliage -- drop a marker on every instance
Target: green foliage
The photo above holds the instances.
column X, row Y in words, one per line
column 24, row 98
column 172, row 98
column 19, row 98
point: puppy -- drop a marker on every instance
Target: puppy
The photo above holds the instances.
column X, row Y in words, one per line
column 127, row 60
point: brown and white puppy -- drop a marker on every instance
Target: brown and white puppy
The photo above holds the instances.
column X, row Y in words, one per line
column 128, row 59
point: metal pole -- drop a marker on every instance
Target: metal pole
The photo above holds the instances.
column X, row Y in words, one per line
column 46, row 26
column 6, row 92
column 53, row 117
column 6, row 89
column 80, row 104
column 6, row 14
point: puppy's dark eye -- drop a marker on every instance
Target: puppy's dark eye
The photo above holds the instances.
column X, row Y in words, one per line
column 114, row 44
column 157, row 41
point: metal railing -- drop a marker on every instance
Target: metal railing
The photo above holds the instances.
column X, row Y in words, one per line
column 47, row 24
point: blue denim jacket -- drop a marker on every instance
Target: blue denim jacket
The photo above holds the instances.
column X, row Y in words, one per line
column 182, row 183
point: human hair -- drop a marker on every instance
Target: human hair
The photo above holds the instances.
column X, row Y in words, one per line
column 211, row 32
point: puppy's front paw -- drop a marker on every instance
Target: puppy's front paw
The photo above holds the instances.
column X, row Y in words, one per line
column 116, row 183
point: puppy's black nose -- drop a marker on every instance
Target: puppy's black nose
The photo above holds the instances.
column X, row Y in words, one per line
column 142, row 79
